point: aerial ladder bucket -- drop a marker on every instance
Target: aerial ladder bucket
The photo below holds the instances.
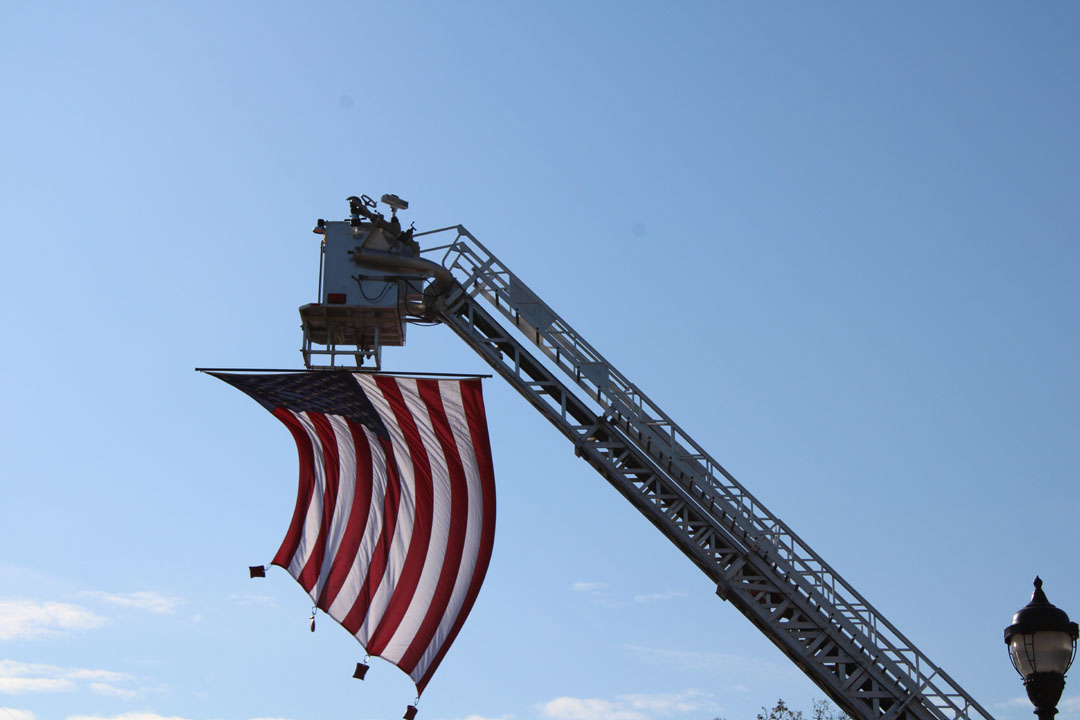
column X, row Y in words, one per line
column 371, row 279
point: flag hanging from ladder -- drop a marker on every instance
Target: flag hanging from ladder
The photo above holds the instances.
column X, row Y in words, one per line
column 395, row 514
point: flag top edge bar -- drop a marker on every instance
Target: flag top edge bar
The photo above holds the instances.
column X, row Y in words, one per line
column 362, row 371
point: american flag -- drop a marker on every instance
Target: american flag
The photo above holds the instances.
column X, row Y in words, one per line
column 395, row 515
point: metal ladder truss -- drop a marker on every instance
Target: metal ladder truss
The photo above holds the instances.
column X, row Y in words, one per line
column 856, row 656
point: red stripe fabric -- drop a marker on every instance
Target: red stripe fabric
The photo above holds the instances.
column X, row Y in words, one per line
column 328, row 442
column 377, row 566
column 358, row 517
column 303, row 495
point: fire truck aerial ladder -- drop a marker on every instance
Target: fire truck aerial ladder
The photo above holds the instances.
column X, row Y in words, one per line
column 374, row 280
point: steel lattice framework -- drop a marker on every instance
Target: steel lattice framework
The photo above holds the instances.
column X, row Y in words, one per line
column 856, row 656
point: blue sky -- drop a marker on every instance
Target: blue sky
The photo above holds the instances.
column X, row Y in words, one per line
column 838, row 243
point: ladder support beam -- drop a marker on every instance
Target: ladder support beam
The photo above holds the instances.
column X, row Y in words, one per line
column 863, row 663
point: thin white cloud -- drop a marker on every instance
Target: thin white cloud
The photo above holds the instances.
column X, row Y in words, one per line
column 20, row 685
column 699, row 660
column 665, row 703
column 19, row 677
column 20, row 619
column 1068, row 707
column 111, row 690
column 148, row 601
column 636, row 706
column 485, row 717
column 265, row 718
column 596, row 591
column 248, row 600
column 658, row 597
column 589, row 587
column 570, row 708
column 100, row 675
column 13, row 714
column 127, row 716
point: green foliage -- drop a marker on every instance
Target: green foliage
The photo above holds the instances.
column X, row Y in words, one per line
column 780, row 712
column 823, row 710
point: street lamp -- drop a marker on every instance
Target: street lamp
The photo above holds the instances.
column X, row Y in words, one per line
column 1042, row 644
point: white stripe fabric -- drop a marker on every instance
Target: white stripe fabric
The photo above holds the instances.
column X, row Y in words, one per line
column 421, row 600
column 347, row 453
column 473, row 534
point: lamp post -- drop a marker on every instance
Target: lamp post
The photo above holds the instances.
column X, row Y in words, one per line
column 1042, row 644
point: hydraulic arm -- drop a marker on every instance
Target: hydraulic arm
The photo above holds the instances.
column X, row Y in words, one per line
column 375, row 278
column 856, row 656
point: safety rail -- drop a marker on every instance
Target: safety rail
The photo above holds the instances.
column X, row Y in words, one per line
column 872, row 641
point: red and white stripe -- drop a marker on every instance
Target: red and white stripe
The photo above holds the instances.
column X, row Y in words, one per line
column 391, row 537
